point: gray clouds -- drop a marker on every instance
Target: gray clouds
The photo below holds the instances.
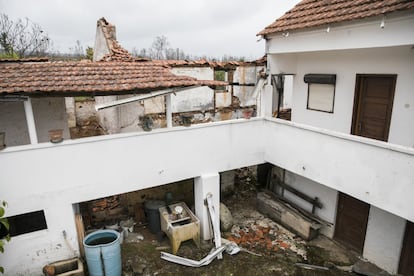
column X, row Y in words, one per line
column 199, row 27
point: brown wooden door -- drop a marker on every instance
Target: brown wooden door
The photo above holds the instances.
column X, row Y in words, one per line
column 374, row 96
column 407, row 253
column 351, row 222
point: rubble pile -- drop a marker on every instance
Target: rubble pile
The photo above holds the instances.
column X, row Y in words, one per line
column 266, row 237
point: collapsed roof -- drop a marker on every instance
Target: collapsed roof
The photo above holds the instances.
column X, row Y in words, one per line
column 117, row 72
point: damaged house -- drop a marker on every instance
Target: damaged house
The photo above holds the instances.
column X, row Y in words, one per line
column 200, row 104
column 346, row 155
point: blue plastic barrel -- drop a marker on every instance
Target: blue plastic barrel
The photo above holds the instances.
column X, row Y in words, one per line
column 103, row 253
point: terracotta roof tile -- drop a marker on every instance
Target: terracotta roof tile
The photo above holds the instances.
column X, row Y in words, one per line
column 206, row 63
column 313, row 13
column 85, row 78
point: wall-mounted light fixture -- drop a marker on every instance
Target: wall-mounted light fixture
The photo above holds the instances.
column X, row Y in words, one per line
column 285, row 34
column 382, row 24
column 328, row 29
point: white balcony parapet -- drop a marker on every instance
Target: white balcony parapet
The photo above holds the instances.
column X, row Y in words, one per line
column 376, row 172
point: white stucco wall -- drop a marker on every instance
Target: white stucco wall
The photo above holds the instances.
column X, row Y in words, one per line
column 327, row 196
column 357, row 34
column 201, row 98
column 13, row 122
column 346, row 64
column 56, row 176
column 361, row 167
column 85, row 110
column 108, row 118
column 383, row 242
column 223, row 99
column 49, row 113
column 26, row 254
column 59, row 175
column 197, row 99
column 246, row 75
column 129, row 115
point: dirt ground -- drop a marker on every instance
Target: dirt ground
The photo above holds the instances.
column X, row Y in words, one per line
column 267, row 248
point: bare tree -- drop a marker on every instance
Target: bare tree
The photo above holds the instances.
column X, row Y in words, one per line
column 160, row 50
column 77, row 51
column 160, row 47
column 22, row 38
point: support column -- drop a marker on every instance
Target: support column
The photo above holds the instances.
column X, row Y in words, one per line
column 70, row 111
column 204, row 184
column 266, row 99
column 31, row 126
column 168, row 109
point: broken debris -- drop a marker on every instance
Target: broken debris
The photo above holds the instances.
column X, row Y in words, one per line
column 226, row 219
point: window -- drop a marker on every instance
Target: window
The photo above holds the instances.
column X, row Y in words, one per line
column 321, row 92
column 26, row 223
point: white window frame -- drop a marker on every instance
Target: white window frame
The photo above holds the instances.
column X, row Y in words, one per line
column 321, row 92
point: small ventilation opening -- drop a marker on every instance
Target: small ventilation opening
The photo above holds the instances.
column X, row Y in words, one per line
column 27, row 223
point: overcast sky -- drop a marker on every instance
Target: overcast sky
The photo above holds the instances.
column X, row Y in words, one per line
column 198, row 27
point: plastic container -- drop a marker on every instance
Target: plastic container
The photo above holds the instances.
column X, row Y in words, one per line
column 153, row 214
column 103, row 253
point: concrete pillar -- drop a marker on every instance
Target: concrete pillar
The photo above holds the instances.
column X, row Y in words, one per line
column 31, row 126
column 204, row 184
column 70, row 111
column 266, row 101
column 168, row 109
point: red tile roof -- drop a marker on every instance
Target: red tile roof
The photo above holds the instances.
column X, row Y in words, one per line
column 89, row 78
column 313, row 13
column 207, row 63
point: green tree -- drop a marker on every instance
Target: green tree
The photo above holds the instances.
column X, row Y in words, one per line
column 4, row 229
column 89, row 53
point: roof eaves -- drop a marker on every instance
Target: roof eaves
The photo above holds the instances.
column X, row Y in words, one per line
column 319, row 15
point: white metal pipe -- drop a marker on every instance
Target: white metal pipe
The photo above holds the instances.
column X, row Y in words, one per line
column 141, row 97
column 31, row 126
